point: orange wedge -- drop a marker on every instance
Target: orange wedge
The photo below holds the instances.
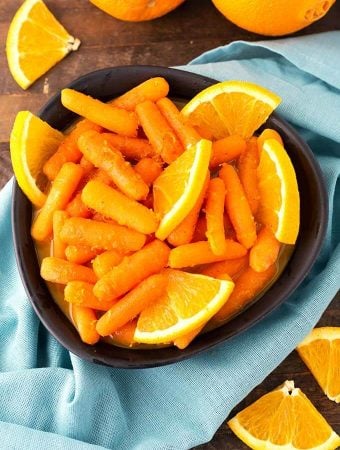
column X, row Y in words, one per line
column 279, row 194
column 36, row 41
column 231, row 107
column 320, row 351
column 32, row 142
column 178, row 187
column 284, row 419
column 189, row 302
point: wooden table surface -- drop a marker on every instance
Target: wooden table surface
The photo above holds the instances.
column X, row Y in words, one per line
column 175, row 39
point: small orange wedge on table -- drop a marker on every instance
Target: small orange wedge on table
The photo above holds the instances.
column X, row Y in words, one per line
column 320, row 351
column 36, row 41
column 284, row 419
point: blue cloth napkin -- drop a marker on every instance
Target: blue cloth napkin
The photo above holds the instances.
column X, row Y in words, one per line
column 52, row 399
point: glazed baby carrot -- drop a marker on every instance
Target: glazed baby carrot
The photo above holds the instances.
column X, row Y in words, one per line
column 76, row 207
column 228, row 228
column 60, row 193
column 101, row 218
column 79, row 254
column 115, row 205
column 265, row 251
column 101, row 175
column 97, row 149
column 226, row 149
column 58, row 221
column 183, row 341
column 238, row 207
column 200, row 230
column 196, row 253
column 125, row 335
column 132, row 304
column 100, row 235
column 131, row 148
column 152, row 89
column 247, row 171
column 148, row 202
column 185, row 133
column 268, row 133
column 232, row 267
column 60, row 271
column 108, row 116
column 184, row 232
column 106, row 261
column 214, row 211
column 132, row 270
column 82, row 126
column 148, row 169
column 160, row 134
column 247, row 286
column 86, row 165
column 68, row 150
column 85, row 320
column 81, row 293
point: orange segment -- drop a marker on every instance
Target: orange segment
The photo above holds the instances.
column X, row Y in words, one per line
column 189, row 302
column 231, row 107
column 32, row 142
column 178, row 187
column 320, row 351
column 284, row 419
column 279, row 207
column 36, row 41
column 268, row 133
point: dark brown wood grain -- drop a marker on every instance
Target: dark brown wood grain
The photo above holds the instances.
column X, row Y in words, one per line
column 175, row 39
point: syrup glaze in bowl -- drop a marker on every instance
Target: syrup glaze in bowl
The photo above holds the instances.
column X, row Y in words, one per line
column 111, row 82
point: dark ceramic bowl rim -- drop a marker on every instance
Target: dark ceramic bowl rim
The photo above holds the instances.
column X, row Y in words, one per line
column 50, row 314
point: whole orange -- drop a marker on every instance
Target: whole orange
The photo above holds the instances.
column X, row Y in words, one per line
column 137, row 10
column 273, row 17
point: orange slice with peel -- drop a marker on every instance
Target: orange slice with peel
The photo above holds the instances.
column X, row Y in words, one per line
column 32, row 142
column 36, row 41
column 178, row 187
column 320, row 351
column 279, row 193
column 231, row 107
column 189, row 302
column 284, row 419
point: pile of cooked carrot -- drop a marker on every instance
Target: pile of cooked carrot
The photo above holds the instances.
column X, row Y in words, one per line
column 99, row 212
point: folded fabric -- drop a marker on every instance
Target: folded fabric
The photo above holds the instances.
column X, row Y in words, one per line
column 52, row 399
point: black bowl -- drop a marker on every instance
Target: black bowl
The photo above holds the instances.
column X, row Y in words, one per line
column 106, row 84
